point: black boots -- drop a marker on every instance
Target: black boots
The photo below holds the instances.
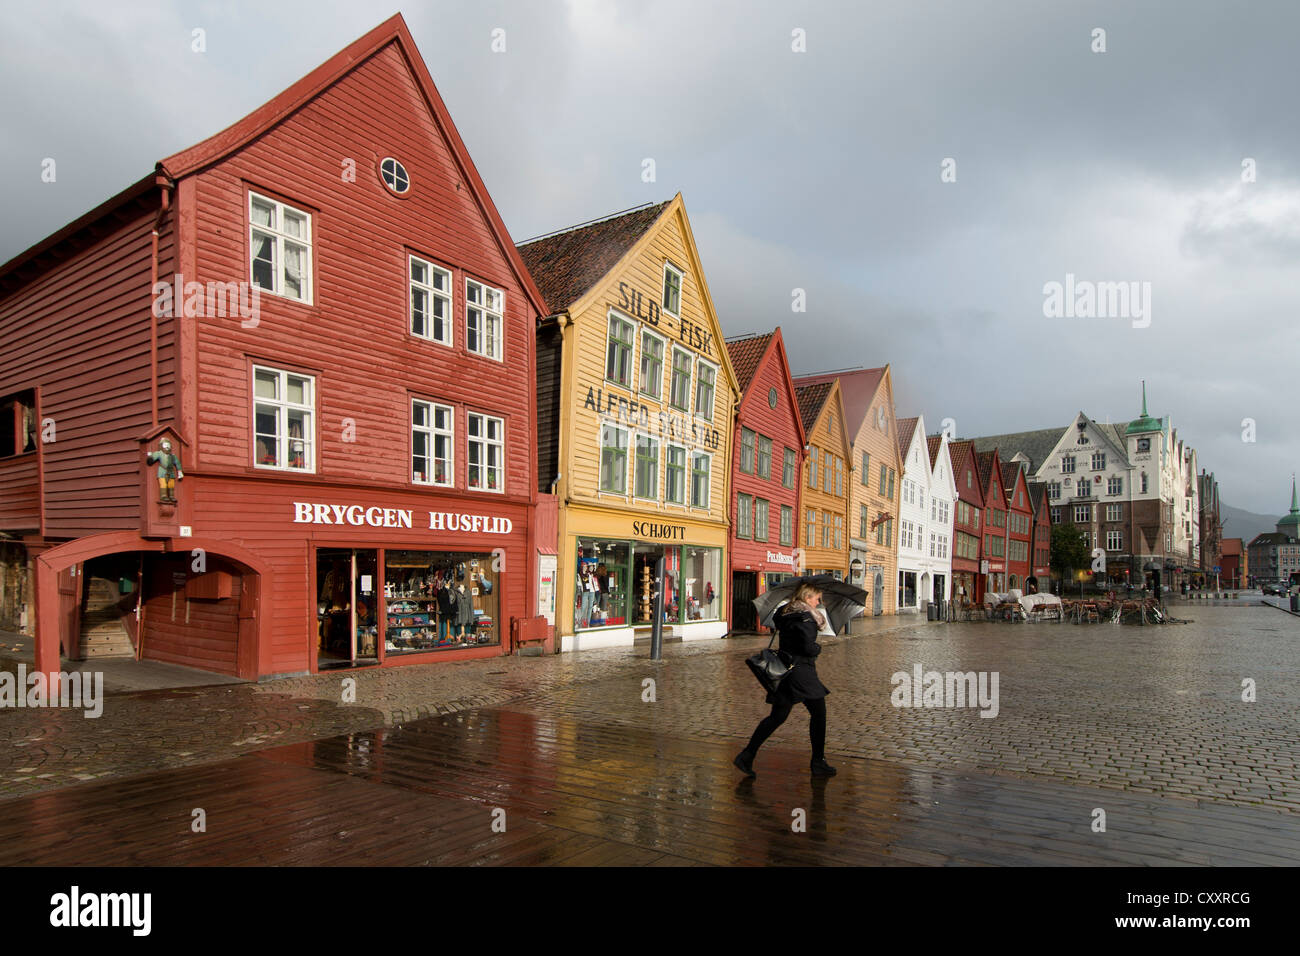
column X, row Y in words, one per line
column 745, row 761
column 820, row 768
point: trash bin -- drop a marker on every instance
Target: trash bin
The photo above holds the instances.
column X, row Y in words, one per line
column 930, row 610
column 1295, row 602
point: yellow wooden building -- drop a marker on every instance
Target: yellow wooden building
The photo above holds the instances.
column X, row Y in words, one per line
column 824, row 533
column 875, row 484
column 635, row 402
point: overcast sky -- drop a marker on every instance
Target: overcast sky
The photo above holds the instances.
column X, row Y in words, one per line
column 818, row 170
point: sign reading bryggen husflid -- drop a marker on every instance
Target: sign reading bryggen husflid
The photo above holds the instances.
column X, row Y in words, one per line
column 635, row 402
column 339, row 471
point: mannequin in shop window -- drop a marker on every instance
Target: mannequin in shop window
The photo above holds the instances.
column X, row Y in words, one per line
column 589, row 592
column 464, row 613
column 447, row 608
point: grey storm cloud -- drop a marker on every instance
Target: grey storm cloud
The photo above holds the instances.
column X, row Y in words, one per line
column 817, row 170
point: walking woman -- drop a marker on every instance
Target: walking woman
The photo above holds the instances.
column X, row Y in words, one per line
column 797, row 624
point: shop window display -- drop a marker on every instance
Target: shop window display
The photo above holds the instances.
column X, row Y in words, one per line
column 601, row 585
column 439, row 600
column 701, row 580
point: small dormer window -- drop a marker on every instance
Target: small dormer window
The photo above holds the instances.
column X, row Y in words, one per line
column 395, row 176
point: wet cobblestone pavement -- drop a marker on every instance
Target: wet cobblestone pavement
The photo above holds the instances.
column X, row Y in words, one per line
column 1146, row 723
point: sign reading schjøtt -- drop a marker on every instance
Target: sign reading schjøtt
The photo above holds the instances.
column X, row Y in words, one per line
column 306, row 512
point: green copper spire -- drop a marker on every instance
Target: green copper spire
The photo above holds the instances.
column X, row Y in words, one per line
column 1146, row 423
column 1290, row 525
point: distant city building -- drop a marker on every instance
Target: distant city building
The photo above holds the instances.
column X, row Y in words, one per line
column 1275, row 555
column 1132, row 489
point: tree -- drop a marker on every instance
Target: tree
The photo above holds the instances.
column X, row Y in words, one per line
column 1069, row 549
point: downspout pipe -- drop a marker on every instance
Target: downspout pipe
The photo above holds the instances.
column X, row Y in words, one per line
column 165, row 188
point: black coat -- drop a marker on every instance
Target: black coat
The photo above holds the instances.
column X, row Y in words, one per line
column 798, row 637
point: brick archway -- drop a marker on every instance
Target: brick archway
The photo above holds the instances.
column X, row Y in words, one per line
column 254, row 638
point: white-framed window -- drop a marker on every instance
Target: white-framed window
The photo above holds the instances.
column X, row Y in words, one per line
column 810, row 531
column 700, row 465
column 706, row 376
column 613, row 459
column 485, row 459
column 944, row 512
column 1056, row 515
column 763, row 465
column 934, row 545
column 394, row 175
column 279, row 248
column 433, row 436
column 744, row 516
column 484, row 308
column 788, row 464
column 1053, row 490
column 839, row 531
column 1098, row 461
column 1083, row 514
column 284, row 407
column 1067, row 464
column 1114, row 512
column 675, row 474
column 652, row 363
column 672, row 303
column 826, row 529
column 679, row 389
column 746, row 451
column 1083, row 488
column 1115, row 485
column 787, row 525
column 430, row 301
column 761, row 510
column 1114, row 540
column 645, row 477
column 619, row 348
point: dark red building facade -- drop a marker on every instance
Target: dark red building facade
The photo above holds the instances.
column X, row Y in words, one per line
column 766, row 468
column 968, row 568
column 321, row 312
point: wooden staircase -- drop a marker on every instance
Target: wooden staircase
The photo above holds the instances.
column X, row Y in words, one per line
column 103, row 635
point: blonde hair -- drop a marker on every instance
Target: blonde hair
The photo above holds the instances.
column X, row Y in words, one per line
column 801, row 594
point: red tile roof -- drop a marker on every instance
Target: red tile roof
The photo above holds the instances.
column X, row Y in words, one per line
column 934, row 443
column 857, row 389
column 745, row 355
column 906, row 427
column 811, row 400
column 567, row 264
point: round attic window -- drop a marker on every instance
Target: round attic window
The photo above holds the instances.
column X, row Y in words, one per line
column 394, row 175
column 771, row 398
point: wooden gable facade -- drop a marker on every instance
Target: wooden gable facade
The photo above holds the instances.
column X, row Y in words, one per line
column 329, row 289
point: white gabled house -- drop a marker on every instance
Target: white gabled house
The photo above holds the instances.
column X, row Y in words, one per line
column 925, row 517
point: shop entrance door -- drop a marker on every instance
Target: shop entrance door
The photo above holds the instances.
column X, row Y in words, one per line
column 347, row 631
column 744, row 588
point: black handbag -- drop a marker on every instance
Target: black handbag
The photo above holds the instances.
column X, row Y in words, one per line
column 770, row 667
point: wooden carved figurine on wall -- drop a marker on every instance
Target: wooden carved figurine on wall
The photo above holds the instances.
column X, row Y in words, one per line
column 169, row 471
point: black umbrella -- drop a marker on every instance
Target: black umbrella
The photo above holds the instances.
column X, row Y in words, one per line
column 841, row 601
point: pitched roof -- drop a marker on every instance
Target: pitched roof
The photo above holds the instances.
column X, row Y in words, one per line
column 812, row 398
column 857, row 389
column 1035, row 445
column 1037, row 496
column 906, row 427
column 746, row 352
column 268, row 115
column 934, row 443
column 566, row 264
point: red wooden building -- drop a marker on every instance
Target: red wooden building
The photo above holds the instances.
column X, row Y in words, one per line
column 1040, row 542
column 1020, row 525
column 968, row 571
column 995, row 520
column 766, row 468
column 322, row 312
